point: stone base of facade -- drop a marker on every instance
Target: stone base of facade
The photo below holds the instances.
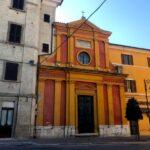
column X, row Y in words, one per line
column 68, row 131
column 114, row 130
column 50, row 131
column 55, row 132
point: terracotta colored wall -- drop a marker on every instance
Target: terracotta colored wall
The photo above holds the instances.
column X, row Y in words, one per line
column 63, row 104
column 117, row 105
column 49, row 96
column 106, row 104
column 102, row 54
column 64, row 48
column 48, row 60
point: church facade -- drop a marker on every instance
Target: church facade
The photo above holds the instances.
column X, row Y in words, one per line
column 80, row 93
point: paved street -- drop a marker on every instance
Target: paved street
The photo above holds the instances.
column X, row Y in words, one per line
column 76, row 144
column 106, row 146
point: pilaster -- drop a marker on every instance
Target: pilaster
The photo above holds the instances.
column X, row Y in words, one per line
column 72, row 103
column 57, row 103
column 40, row 102
column 123, row 104
column 58, row 52
column 110, row 105
column 97, row 55
column 100, row 99
column 70, row 49
column 107, row 54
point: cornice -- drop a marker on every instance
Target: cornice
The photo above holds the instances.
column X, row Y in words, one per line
column 78, row 70
column 52, row 2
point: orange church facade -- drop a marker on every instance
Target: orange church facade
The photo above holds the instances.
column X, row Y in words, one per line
column 79, row 91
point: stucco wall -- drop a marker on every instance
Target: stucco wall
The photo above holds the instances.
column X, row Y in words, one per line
column 35, row 32
column 139, row 71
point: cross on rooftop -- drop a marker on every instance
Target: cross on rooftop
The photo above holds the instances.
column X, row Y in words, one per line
column 83, row 12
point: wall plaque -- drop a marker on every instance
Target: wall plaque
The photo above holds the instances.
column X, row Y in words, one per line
column 83, row 44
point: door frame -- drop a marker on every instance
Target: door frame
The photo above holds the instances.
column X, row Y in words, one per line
column 12, row 126
column 87, row 93
column 15, row 101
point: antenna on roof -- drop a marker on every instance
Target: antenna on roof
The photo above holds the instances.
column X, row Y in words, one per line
column 83, row 17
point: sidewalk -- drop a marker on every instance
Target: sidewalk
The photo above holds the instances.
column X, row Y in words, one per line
column 93, row 140
column 75, row 140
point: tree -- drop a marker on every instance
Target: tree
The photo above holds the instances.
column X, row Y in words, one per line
column 133, row 114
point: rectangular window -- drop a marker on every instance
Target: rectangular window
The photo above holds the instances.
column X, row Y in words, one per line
column 45, row 48
column 15, row 33
column 130, row 86
column 18, row 4
column 148, row 61
column 127, row 59
column 46, row 18
column 11, row 71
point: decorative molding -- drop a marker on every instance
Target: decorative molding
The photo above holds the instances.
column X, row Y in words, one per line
column 143, row 67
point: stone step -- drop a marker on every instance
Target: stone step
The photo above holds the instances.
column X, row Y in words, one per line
column 86, row 134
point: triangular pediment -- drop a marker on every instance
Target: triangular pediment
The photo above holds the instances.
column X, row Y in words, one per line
column 87, row 25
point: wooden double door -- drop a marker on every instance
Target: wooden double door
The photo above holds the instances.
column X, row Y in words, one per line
column 85, row 114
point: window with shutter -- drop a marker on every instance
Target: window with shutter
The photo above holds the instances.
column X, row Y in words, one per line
column 122, row 58
column 15, row 33
column 148, row 61
column 18, row 4
column 130, row 86
column 11, row 71
column 127, row 59
column 133, row 86
column 130, row 59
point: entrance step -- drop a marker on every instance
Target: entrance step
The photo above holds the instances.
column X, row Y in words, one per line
column 86, row 134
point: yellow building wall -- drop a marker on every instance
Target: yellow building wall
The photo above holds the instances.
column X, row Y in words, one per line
column 91, row 73
column 138, row 71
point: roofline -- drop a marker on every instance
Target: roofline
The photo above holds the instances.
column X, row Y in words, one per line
column 99, row 30
column 58, row 2
column 127, row 46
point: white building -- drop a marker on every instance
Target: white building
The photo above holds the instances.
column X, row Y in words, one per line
column 25, row 31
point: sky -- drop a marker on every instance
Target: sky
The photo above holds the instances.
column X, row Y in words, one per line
column 128, row 20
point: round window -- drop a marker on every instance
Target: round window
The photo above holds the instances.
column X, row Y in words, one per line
column 84, row 58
